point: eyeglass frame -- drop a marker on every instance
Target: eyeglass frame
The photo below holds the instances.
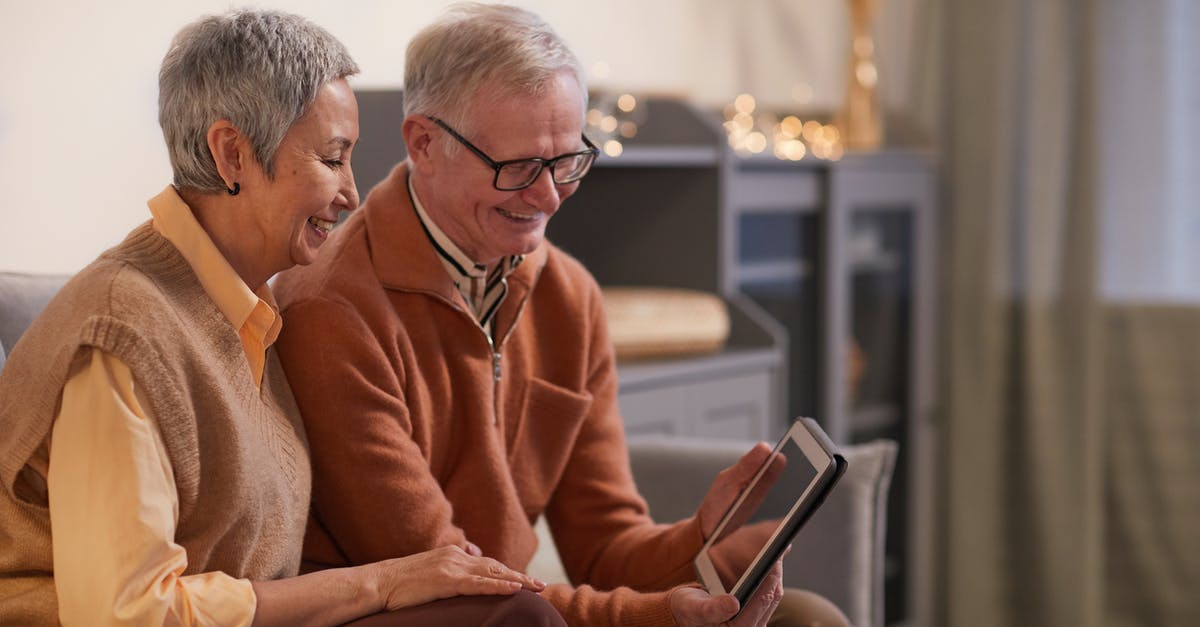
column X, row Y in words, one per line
column 542, row 163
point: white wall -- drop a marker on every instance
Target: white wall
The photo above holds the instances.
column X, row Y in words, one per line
column 80, row 148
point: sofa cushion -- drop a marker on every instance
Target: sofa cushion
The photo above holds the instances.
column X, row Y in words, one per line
column 22, row 298
column 839, row 552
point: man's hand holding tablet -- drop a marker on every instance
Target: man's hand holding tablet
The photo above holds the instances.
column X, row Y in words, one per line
column 749, row 518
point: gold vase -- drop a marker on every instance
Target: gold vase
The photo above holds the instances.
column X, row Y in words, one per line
column 861, row 118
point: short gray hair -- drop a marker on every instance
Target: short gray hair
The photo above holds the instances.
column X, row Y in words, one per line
column 258, row 69
column 475, row 45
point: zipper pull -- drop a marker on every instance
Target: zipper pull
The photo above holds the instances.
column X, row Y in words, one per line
column 496, row 365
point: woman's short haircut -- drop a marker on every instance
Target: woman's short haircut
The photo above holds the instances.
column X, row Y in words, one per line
column 482, row 46
column 258, row 69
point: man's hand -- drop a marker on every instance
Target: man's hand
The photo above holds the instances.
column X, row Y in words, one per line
column 693, row 607
column 728, row 484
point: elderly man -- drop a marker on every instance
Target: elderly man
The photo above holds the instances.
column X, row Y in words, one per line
column 453, row 367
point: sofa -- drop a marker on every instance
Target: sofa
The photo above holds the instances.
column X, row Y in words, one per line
column 839, row 553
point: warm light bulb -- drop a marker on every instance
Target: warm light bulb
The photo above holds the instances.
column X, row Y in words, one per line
column 613, row 148
column 608, row 124
column 794, row 149
column 628, row 129
column 756, row 142
column 810, row 130
column 866, row 74
column 627, row 103
column 791, row 126
column 744, row 103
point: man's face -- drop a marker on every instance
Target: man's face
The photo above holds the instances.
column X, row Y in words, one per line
column 486, row 223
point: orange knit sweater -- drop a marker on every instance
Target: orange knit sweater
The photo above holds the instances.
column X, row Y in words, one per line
column 417, row 444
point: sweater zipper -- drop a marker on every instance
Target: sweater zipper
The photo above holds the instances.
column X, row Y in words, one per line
column 495, row 377
column 493, row 348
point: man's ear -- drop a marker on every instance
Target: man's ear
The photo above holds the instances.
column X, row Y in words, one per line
column 228, row 148
column 418, row 133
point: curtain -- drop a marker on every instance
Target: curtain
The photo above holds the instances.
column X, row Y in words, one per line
column 1071, row 445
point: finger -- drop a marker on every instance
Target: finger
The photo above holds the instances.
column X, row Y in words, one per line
column 497, row 570
column 752, row 460
column 762, row 605
column 719, row 609
column 473, row 549
column 483, row 585
column 727, row 485
column 697, row 607
column 693, row 607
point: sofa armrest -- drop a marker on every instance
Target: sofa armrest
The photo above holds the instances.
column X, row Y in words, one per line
column 839, row 552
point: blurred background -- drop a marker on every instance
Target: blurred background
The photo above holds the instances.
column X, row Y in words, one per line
column 991, row 255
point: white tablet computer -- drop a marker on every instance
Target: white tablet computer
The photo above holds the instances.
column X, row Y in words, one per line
column 791, row 484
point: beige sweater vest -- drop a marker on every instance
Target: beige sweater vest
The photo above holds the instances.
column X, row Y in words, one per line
column 239, row 455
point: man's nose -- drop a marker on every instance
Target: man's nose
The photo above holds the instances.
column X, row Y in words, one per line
column 543, row 193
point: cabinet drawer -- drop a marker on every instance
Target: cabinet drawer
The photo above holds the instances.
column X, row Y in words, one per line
column 733, row 407
column 658, row 410
column 783, row 189
column 720, row 407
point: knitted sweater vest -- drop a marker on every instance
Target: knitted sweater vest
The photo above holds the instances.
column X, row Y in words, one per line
column 239, row 455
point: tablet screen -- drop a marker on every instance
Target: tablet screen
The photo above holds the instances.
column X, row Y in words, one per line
column 755, row 520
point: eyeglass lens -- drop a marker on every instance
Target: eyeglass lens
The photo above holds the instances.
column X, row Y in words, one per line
column 567, row 169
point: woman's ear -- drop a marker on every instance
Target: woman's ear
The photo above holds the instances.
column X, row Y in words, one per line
column 227, row 146
column 418, row 139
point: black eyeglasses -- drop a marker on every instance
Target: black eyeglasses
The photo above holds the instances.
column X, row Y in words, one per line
column 517, row 174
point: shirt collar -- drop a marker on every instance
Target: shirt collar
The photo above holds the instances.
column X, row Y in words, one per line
column 457, row 262
column 173, row 219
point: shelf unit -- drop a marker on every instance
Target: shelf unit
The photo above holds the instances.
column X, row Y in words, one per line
column 841, row 253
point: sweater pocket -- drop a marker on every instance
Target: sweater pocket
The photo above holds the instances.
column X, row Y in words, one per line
column 550, row 419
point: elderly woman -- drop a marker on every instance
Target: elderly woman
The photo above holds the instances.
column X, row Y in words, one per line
column 154, row 464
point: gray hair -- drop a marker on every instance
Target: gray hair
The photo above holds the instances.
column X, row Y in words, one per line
column 258, row 69
column 476, row 45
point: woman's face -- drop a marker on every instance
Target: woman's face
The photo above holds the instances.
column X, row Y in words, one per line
column 313, row 181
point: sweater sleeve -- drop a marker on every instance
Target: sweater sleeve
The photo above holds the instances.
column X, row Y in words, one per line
column 113, row 510
column 600, row 523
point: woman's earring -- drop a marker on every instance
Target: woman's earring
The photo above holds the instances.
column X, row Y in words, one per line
column 237, row 187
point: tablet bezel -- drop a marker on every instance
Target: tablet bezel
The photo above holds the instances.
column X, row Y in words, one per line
column 820, row 452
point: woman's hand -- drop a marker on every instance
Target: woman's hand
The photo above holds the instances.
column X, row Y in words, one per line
column 693, row 607
column 445, row 572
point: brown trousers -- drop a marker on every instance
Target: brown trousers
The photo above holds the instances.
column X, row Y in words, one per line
column 519, row 610
column 801, row 608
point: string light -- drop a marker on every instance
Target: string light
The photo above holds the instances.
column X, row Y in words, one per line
column 613, row 117
column 750, row 132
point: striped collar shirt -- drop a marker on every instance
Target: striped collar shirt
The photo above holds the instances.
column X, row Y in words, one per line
column 481, row 287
